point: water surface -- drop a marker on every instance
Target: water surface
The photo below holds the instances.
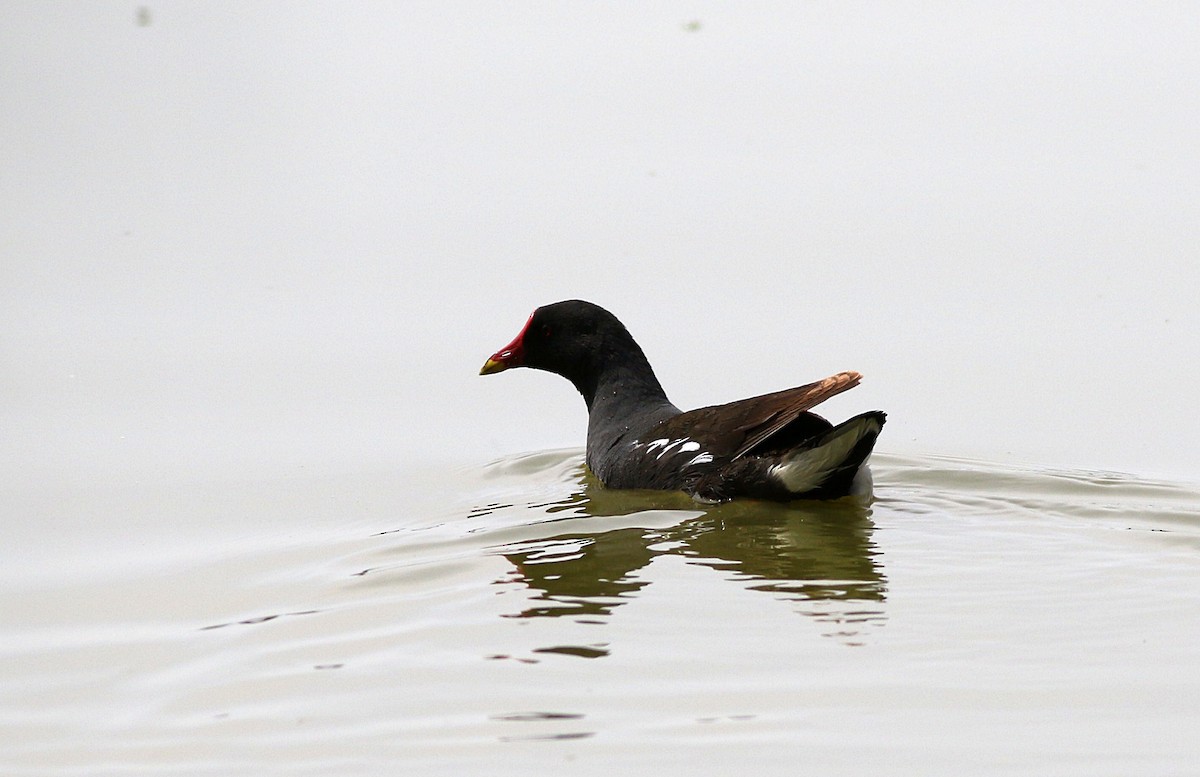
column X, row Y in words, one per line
column 517, row 617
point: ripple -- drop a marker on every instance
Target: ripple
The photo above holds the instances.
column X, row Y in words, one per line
column 529, row 603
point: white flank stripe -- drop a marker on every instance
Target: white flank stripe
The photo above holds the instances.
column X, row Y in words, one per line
column 650, row 446
column 668, row 447
column 686, row 445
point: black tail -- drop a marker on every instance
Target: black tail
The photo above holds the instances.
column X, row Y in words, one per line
column 826, row 466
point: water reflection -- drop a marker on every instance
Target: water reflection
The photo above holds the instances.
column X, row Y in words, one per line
column 819, row 555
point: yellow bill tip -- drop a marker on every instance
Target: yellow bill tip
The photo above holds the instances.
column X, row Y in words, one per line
column 492, row 366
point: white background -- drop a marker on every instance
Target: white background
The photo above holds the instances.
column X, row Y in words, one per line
column 239, row 239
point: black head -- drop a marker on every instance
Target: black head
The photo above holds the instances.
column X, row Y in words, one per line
column 563, row 338
column 575, row 339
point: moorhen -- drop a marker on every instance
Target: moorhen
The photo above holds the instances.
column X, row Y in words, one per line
column 765, row 447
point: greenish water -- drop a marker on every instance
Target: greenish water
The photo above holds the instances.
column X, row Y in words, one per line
column 517, row 618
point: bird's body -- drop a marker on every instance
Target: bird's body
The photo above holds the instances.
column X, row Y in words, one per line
column 768, row 447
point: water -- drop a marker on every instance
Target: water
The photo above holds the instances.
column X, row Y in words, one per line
column 515, row 616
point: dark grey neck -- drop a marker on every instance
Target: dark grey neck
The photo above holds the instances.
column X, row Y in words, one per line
column 631, row 382
column 623, row 403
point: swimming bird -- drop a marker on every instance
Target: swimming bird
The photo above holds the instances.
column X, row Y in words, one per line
column 765, row 447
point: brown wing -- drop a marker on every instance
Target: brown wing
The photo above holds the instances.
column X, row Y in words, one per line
column 736, row 428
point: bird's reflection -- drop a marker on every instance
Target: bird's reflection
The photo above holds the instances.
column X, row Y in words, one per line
column 818, row 555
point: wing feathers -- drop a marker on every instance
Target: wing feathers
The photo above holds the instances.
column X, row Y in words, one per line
column 731, row 431
column 785, row 406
